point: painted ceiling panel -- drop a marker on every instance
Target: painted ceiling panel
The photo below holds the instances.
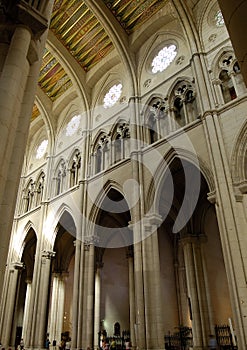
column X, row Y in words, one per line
column 53, row 79
column 133, row 13
column 35, row 112
column 81, row 33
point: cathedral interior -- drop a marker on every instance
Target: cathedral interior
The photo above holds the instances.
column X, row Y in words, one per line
column 123, row 186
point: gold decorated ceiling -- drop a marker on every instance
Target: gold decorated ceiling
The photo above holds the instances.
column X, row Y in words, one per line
column 85, row 38
column 133, row 13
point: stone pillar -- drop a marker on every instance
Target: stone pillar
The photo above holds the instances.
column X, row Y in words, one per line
column 80, row 328
column 198, row 293
column 57, row 307
column 99, row 266
column 130, row 257
column 26, row 307
column 41, row 315
column 76, row 286
column 231, row 229
column 193, row 292
column 218, row 93
column 154, row 314
column 25, row 27
column 89, row 293
column 234, row 13
column 139, row 326
column 14, row 272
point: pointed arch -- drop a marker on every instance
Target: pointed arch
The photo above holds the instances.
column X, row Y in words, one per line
column 239, row 157
column 59, row 217
column 159, row 175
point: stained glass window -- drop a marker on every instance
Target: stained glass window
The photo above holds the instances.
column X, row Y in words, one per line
column 219, row 20
column 41, row 149
column 73, row 125
column 112, row 95
column 164, row 58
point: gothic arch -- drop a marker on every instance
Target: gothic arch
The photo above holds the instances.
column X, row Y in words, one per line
column 29, row 226
column 94, row 212
column 239, row 157
column 57, row 217
column 158, row 177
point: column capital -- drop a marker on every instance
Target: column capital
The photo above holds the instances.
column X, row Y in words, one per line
column 17, row 265
column 48, row 254
column 191, row 238
column 91, row 240
column 77, row 243
column 152, row 221
column 211, row 196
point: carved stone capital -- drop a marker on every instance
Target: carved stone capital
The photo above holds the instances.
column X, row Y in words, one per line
column 47, row 254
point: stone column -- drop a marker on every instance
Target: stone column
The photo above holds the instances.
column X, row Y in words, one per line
column 130, row 257
column 41, row 325
column 26, row 307
column 19, row 76
column 89, row 293
column 193, row 292
column 99, row 266
column 57, row 307
column 232, row 230
column 10, row 303
column 218, row 92
column 139, row 326
column 154, row 312
column 80, row 328
column 198, row 292
column 76, row 286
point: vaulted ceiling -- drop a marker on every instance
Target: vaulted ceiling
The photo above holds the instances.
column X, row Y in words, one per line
column 84, row 37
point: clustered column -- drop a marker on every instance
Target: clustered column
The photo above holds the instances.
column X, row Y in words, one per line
column 14, row 274
column 197, row 289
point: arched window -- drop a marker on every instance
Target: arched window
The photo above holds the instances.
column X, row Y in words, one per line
column 75, row 165
column 178, row 108
column 183, row 101
column 156, row 119
column 100, row 157
column 227, row 87
column 60, row 175
column 28, row 196
column 40, row 188
column 120, row 140
column 229, row 79
column 117, row 148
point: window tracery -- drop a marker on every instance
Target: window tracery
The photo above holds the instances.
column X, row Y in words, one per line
column 75, row 168
column 164, row 58
column 101, row 153
column 28, row 196
column 229, row 78
column 73, row 125
column 60, row 176
column 41, row 149
column 184, row 103
column 156, row 119
column 121, row 142
column 40, row 188
column 113, row 95
column 219, row 20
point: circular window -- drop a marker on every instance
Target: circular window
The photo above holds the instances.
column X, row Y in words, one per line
column 73, row 125
column 219, row 20
column 41, row 149
column 113, row 95
column 164, row 58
